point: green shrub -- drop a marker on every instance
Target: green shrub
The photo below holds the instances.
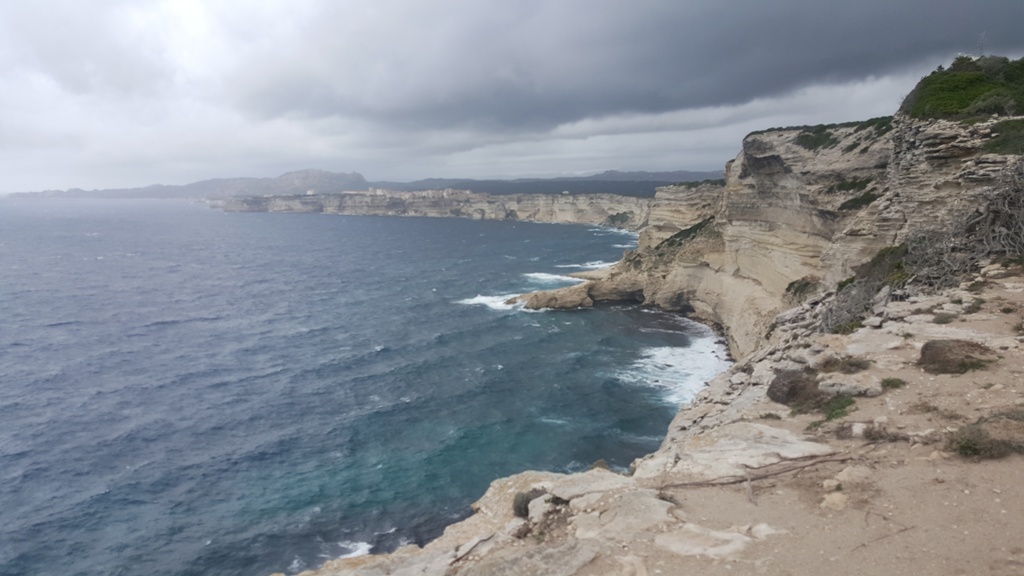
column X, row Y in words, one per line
column 848, row 327
column 974, row 442
column 970, row 87
column 947, row 94
column 1009, row 138
column 993, row 437
column 860, row 201
column 974, row 306
column 803, row 286
column 836, row 407
column 888, row 267
column 797, row 389
column 850, row 185
column 943, row 318
column 686, row 234
column 618, row 220
column 816, row 137
column 977, row 286
column 692, row 185
column 999, row 102
column 893, row 383
column 845, row 365
column 881, row 125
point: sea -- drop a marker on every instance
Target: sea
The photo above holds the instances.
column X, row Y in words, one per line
column 185, row 391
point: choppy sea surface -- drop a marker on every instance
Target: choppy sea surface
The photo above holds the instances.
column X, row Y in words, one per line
column 185, row 391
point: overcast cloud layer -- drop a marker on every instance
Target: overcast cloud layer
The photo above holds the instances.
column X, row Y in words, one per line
column 117, row 93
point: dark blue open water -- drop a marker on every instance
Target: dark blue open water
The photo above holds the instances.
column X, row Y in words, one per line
column 184, row 391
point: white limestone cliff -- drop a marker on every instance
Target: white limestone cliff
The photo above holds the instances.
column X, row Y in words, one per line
column 599, row 209
column 793, row 209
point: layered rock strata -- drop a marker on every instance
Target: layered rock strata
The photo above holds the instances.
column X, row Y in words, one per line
column 799, row 206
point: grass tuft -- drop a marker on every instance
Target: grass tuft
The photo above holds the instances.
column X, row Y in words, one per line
column 816, row 137
column 845, row 365
column 893, row 383
column 994, row 437
column 837, row 407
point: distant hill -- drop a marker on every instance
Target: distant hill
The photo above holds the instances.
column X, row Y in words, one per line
column 299, row 182
column 640, row 184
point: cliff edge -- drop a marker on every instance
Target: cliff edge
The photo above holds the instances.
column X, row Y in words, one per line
column 869, row 279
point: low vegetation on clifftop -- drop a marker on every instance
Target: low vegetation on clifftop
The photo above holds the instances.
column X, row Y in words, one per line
column 970, row 88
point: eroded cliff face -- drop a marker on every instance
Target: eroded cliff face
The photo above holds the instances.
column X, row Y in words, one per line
column 804, row 204
column 678, row 207
column 937, row 167
column 599, row 209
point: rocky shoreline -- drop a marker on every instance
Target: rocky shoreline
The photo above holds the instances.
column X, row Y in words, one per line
column 742, row 482
column 817, row 450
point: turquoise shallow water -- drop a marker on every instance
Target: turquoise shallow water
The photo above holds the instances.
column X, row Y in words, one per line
column 184, row 391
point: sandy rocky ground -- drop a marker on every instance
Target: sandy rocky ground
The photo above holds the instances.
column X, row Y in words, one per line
column 743, row 485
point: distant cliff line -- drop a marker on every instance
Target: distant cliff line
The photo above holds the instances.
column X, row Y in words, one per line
column 625, row 212
column 639, row 184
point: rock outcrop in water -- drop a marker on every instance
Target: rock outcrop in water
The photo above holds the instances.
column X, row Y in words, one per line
column 737, row 487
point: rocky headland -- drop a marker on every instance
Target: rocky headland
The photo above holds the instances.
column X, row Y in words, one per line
column 868, row 278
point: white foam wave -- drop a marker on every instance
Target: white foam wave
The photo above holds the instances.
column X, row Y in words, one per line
column 626, row 246
column 619, row 231
column 297, row 565
column 680, row 373
column 499, row 302
column 593, row 265
column 545, row 278
column 555, row 421
column 357, row 548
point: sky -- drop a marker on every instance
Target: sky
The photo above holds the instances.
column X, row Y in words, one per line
column 126, row 93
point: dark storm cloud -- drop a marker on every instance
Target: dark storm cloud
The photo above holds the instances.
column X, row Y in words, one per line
column 537, row 64
column 114, row 93
column 83, row 49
